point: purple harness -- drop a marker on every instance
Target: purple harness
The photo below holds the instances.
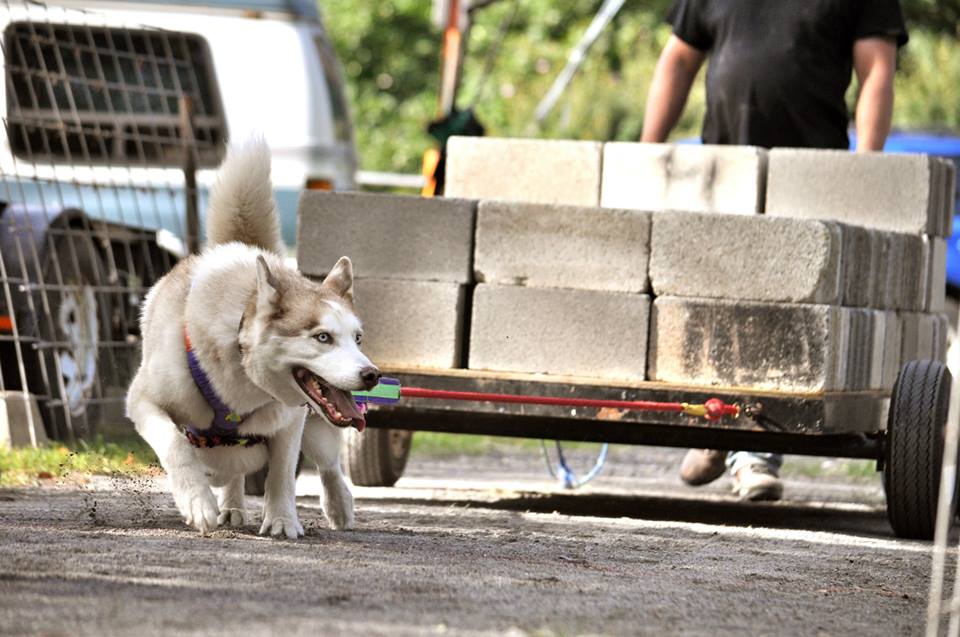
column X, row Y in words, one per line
column 224, row 428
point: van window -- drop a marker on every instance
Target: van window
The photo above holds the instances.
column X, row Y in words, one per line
column 91, row 94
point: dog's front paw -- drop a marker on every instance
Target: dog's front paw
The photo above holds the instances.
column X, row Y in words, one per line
column 234, row 517
column 199, row 509
column 288, row 525
column 338, row 505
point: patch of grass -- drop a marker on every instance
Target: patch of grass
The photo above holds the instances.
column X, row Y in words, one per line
column 58, row 461
column 443, row 445
column 857, row 470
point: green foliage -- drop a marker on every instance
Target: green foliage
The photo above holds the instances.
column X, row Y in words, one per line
column 391, row 51
column 928, row 83
column 19, row 467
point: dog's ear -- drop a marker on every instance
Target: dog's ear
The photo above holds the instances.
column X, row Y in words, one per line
column 268, row 288
column 340, row 279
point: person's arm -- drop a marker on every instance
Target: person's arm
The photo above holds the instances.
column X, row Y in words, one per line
column 875, row 61
column 676, row 70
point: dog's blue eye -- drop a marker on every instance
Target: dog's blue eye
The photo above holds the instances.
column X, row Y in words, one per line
column 324, row 337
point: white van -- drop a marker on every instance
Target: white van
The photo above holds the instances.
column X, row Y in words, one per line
column 92, row 166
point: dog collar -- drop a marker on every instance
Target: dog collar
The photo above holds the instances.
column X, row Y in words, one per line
column 224, row 427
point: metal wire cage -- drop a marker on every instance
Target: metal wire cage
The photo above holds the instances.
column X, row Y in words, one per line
column 103, row 126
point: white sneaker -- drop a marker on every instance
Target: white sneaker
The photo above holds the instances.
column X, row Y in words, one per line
column 757, row 482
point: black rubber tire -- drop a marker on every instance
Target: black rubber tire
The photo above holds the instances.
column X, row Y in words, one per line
column 256, row 483
column 80, row 264
column 376, row 457
column 913, row 449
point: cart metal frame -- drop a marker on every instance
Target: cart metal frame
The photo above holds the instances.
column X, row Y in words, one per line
column 841, row 424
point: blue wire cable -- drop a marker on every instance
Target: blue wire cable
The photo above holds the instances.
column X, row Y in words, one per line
column 565, row 474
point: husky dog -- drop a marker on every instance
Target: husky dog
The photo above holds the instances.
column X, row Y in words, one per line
column 235, row 343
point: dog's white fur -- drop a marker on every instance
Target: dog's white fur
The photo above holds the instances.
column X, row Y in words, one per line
column 252, row 321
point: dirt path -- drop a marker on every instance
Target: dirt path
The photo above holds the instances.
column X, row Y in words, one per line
column 496, row 551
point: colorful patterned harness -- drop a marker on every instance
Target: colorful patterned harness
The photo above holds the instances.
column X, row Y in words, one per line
column 223, row 430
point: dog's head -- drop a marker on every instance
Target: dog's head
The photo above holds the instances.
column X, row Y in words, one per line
column 300, row 342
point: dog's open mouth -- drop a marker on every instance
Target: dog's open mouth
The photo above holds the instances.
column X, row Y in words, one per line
column 337, row 405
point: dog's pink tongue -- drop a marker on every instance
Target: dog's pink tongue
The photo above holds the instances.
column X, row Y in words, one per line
column 347, row 406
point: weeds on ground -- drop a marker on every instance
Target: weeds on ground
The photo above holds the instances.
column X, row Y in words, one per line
column 59, row 461
column 444, row 445
column 856, row 470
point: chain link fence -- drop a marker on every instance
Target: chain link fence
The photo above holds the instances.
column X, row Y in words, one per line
column 103, row 126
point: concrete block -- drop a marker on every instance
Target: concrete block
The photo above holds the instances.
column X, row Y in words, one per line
column 950, row 195
column 859, row 265
column 894, row 192
column 386, row 236
column 530, row 170
column 20, row 421
column 585, row 333
column 924, row 336
column 892, row 339
column 947, row 194
column 881, row 268
column 910, row 348
column 900, row 288
column 912, row 284
column 544, row 245
column 745, row 257
column 933, row 279
column 777, row 346
column 860, row 363
column 411, row 323
column 856, row 355
column 701, row 178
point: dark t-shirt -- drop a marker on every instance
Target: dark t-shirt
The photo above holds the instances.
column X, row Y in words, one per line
column 778, row 69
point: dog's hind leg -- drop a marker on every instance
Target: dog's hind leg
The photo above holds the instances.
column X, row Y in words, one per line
column 233, row 511
column 321, row 444
column 191, row 487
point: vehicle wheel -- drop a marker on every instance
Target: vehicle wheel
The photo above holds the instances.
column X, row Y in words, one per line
column 377, row 457
column 913, row 449
column 78, row 319
column 256, row 483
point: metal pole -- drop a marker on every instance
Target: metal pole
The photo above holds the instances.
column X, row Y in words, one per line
column 948, row 479
column 607, row 11
column 189, row 174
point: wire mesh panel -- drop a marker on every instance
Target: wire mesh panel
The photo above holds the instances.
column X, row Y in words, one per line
column 100, row 120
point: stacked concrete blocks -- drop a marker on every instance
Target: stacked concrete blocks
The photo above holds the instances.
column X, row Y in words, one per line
column 412, row 264
column 524, row 170
column 700, row 178
column 776, row 346
column 542, row 245
column 909, row 199
column 904, row 193
column 747, row 258
column 563, row 291
column 740, row 269
column 569, row 332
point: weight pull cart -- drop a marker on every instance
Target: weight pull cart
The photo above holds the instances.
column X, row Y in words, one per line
column 901, row 430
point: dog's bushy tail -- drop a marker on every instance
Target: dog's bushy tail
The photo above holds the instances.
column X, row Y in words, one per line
column 241, row 206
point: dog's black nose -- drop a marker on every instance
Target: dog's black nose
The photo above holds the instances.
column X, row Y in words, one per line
column 370, row 377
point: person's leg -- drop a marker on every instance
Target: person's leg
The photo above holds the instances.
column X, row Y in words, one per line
column 702, row 466
column 756, row 475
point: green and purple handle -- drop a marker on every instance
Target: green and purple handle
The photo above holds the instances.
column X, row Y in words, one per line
column 386, row 393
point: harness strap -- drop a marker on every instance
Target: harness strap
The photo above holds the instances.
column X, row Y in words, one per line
column 224, row 426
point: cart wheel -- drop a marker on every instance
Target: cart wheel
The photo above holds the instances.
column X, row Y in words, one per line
column 913, row 452
column 256, row 483
column 377, row 457
column 69, row 373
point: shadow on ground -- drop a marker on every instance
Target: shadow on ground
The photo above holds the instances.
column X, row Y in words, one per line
column 863, row 521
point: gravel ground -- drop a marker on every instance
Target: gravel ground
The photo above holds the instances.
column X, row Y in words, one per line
column 469, row 546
